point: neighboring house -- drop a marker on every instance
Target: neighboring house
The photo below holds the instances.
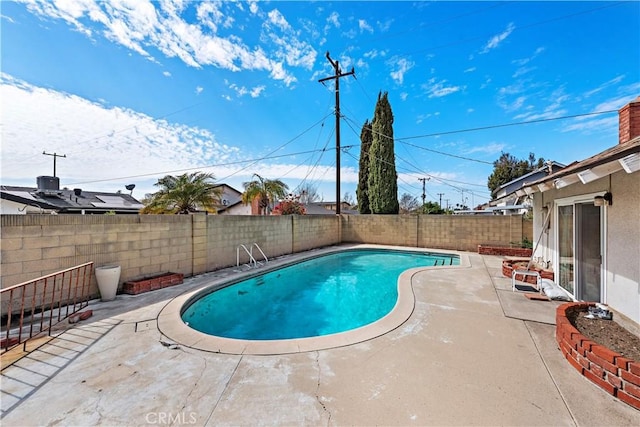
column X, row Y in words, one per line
column 237, row 208
column 315, row 208
column 344, row 206
column 229, row 196
column 48, row 198
column 587, row 222
column 511, row 197
column 231, row 202
column 326, row 208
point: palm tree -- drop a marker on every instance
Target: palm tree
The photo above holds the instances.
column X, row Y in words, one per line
column 267, row 190
column 183, row 194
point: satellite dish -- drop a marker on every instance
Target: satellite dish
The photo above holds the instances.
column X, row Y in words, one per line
column 130, row 187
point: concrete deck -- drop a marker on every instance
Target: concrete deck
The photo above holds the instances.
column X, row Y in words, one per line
column 471, row 353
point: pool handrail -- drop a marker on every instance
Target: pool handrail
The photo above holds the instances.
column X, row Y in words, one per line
column 253, row 262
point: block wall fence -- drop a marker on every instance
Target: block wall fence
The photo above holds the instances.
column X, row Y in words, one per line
column 144, row 245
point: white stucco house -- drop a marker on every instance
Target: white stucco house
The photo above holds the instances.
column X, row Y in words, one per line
column 587, row 222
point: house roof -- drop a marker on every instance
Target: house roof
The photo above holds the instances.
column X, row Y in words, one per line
column 622, row 156
column 515, row 184
column 67, row 201
column 239, row 193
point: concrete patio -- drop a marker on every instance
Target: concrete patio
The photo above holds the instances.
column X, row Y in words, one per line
column 471, row 353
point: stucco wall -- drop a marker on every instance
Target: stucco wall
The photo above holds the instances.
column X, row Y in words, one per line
column 623, row 245
column 622, row 239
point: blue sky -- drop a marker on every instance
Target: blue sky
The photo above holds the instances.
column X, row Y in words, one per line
column 131, row 90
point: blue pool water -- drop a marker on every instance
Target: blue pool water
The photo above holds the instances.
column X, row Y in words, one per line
column 320, row 296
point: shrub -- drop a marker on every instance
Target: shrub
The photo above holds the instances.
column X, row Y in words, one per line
column 289, row 208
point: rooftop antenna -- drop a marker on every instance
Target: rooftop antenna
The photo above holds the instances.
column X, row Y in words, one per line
column 55, row 155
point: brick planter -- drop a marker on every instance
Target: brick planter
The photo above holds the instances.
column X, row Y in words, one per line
column 508, row 265
column 504, row 251
column 607, row 369
column 146, row 284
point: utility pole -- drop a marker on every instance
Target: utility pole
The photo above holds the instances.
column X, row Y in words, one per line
column 424, row 193
column 447, row 200
column 55, row 155
column 440, row 202
column 336, row 77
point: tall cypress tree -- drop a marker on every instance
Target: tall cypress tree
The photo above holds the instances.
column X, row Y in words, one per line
column 383, row 179
column 362, row 192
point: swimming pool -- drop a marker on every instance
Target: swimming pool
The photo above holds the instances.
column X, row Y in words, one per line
column 320, row 296
column 173, row 327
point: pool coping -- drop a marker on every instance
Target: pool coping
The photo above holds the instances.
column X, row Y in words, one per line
column 172, row 326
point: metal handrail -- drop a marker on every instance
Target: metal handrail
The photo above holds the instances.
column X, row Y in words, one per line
column 253, row 262
column 262, row 253
column 251, row 258
column 37, row 303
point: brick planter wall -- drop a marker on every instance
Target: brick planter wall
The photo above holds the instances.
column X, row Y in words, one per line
column 609, row 370
column 504, row 251
column 507, row 268
column 135, row 287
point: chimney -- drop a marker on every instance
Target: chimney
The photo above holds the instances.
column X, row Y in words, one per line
column 629, row 116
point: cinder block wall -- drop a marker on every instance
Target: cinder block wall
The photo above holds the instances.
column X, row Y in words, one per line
column 37, row 245
column 144, row 245
column 456, row 232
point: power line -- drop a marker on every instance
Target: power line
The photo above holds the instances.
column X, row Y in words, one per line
column 251, row 161
column 526, row 122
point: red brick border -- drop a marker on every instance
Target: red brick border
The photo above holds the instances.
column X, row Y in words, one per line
column 609, row 370
column 135, row 287
column 504, row 251
column 507, row 268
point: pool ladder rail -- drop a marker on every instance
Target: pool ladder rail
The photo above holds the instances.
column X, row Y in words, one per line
column 253, row 262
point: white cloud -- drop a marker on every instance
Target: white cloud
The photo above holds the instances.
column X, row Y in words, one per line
column 495, row 41
column 142, row 24
column 470, row 70
column 401, row 66
column 276, row 18
column 616, row 103
column 491, row 148
column 256, row 91
column 403, row 96
column 334, row 19
column 199, row 90
column 604, row 85
column 522, row 71
column 101, row 143
column 364, row 26
column 423, row 117
column 438, row 89
column 592, row 125
column 374, row 53
column 166, row 74
column 386, row 25
column 524, row 61
column 242, row 90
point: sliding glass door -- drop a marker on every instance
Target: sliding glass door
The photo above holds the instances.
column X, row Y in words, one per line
column 579, row 247
column 565, row 247
column 588, row 251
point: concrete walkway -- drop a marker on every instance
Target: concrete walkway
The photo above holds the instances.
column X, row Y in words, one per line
column 472, row 353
